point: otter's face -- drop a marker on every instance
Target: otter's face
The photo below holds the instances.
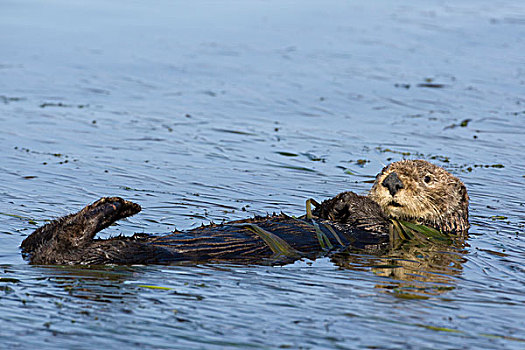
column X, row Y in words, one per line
column 421, row 192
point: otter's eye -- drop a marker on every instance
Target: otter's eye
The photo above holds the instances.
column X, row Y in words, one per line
column 427, row 179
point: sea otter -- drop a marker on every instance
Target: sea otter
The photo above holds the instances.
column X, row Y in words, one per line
column 415, row 191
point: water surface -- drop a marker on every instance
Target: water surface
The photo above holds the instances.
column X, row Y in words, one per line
column 220, row 110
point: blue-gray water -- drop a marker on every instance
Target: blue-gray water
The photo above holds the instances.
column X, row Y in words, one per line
column 197, row 110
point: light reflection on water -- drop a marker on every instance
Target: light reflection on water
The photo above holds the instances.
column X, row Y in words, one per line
column 204, row 112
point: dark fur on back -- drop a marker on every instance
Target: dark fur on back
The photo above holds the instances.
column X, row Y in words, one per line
column 69, row 240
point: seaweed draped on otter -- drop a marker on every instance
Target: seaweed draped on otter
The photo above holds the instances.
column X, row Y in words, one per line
column 411, row 190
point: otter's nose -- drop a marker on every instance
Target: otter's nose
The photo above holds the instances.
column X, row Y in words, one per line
column 393, row 183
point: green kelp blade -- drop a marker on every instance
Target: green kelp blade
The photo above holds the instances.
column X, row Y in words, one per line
column 309, row 203
column 153, row 287
column 330, row 228
column 402, row 232
column 428, row 232
column 324, row 241
column 276, row 243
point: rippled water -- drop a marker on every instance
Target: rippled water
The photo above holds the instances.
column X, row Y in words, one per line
column 221, row 110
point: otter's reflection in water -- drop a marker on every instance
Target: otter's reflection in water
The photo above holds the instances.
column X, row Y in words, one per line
column 409, row 270
column 416, row 262
column 412, row 269
column 96, row 283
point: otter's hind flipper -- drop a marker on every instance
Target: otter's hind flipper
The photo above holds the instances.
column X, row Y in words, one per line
column 51, row 243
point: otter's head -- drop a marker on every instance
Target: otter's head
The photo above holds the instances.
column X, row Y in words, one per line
column 421, row 192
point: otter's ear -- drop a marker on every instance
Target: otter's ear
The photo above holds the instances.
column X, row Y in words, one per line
column 382, row 172
column 463, row 192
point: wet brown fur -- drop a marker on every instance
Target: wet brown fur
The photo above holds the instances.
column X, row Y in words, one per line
column 441, row 203
column 346, row 220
